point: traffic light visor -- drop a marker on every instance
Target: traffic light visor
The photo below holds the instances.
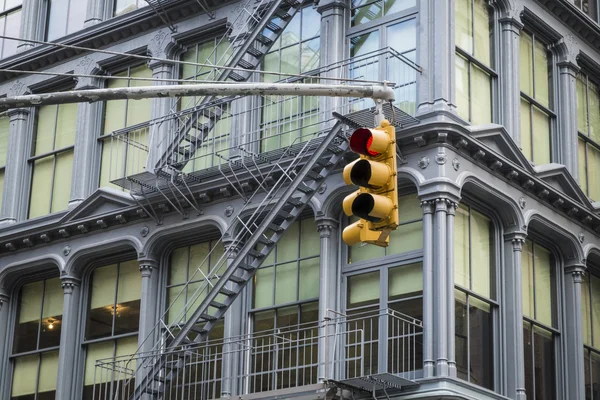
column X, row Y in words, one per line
column 369, row 142
column 371, row 207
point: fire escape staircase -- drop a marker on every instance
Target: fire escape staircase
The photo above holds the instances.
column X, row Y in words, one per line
column 268, row 21
column 260, row 234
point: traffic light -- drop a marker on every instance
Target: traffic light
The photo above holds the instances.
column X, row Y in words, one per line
column 376, row 201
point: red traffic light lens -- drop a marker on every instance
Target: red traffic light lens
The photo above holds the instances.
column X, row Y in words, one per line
column 361, row 141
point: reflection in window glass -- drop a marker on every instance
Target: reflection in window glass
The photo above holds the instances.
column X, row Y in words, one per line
column 10, row 25
column 364, row 11
column 125, row 6
column 65, row 17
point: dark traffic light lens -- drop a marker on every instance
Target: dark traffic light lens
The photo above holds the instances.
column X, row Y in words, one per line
column 362, row 207
column 360, row 142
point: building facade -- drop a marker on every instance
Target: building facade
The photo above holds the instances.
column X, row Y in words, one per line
column 494, row 270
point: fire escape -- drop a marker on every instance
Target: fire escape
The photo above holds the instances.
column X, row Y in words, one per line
column 276, row 186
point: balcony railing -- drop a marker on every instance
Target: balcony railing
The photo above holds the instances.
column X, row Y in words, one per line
column 339, row 348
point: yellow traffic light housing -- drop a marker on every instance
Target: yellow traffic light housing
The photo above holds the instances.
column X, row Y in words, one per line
column 376, row 201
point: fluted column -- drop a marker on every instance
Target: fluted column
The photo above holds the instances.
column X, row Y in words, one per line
column 512, row 314
column 428, row 327
column 96, row 12
column 573, row 339
column 69, row 336
column 16, row 174
column 232, row 329
column 329, row 278
column 4, row 345
column 452, row 206
column 32, row 23
column 510, row 97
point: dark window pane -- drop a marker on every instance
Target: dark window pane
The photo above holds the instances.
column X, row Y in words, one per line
column 26, row 397
column 596, row 375
column 412, row 308
column 528, row 350
column 264, row 321
column 287, row 316
column 586, row 369
column 50, row 333
column 480, row 344
column 309, row 312
column 25, row 337
column 47, row 395
column 99, row 323
column 461, row 335
column 127, row 319
column 544, row 364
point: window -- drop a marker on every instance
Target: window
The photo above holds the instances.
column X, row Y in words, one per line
column 52, row 159
column 36, row 340
column 65, row 17
column 210, row 147
column 112, row 319
column 285, row 295
column 588, row 124
column 10, row 25
column 536, row 112
column 386, row 53
column 125, row 6
column 474, row 271
column 539, row 302
column 407, row 237
column 127, row 156
column 473, row 61
column 588, row 7
column 287, row 120
column 4, row 134
column 590, row 312
column 364, row 11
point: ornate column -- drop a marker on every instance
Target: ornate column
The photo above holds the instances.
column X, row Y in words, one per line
column 232, row 328
column 508, row 68
column 69, row 336
column 566, row 137
column 436, row 49
column 89, row 123
column 96, row 11
column 32, row 23
column 428, row 327
column 512, row 315
column 329, row 299
column 16, row 174
column 4, row 345
column 452, row 206
column 162, row 45
column 440, row 279
column 573, row 338
column 148, row 303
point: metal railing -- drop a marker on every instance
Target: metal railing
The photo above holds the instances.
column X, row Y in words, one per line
column 351, row 346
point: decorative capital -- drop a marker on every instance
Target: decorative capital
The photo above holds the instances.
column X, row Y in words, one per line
column 18, row 88
column 427, row 206
column 146, row 266
column 517, row 239
column 69, row 283
column 325, row 226
column 452, row 207
column 441, row 205
column 577, row 271
column 162, row 45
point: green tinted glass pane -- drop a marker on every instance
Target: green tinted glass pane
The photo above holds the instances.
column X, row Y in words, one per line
column 290, row 63
column 481, row 254
column 189, row 71
column 405, row 238
column 582, row 165
column 4, row 131
column 176, row 303
column 526, row 129
column 363, row 289
column 1, row 186
column 104, row 281
column 364, row 44
column 61, row 192
column 310, row 55
column 362, row 252
column 463, row 30
column 53, row 298
column 582, row 110
column 481, row 101
column 526, row 63
column 405, row 280
column 130, row 282
column 217, row 261
column 586, row 310
column 115, row 110
column 461, row 247
column 542, row 78
column 541, row 137
column 48, row 372
column 112, row 164
column 309, row 279
column 593, row 169
column 527, row 279
column 178, row 267
column 46, row 123
column 287, row 247
column 310, row 240
column 595, row 282
column 30, row 305
column 264, row 283
column 65, row 125
column 409, row 208
column 462, row 87
column 139, row 110
column 41, row 187
column 286, row 280
column 25, row 375
column 543, row 285
column 481, row 31
column 594, row 111
column 95, row 352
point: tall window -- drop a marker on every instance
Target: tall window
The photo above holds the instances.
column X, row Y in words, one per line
column 473, row 61
column 211, row 147
column 474, row 270
column 539, row 324
column 536, row 103
column 52, row 159
column 65, row 17
column 36, row 340
column 364, row 11
column 588, row 124
column 125, row 6
column 285, row 294
column 112, row 319
column 590, row 311
column 123, row 157
column 589, row 8
column 10, row 25
column 4, row 131
column 291, row 119
column 407, row 237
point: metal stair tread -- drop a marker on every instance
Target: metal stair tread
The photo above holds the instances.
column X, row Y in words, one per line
column 237, row 279
column 227, row 292
column 208, row 317
column 217, row 304
column 246, row 64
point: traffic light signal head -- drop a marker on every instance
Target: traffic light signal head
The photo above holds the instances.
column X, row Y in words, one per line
column 376, row 201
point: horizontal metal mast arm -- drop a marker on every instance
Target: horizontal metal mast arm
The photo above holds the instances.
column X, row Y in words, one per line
column 376, row 92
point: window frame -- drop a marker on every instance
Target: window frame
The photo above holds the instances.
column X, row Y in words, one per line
column 585, row 137
column 67, row 22
column 4, row 14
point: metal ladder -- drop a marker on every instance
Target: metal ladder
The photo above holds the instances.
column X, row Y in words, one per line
column 269, row 21
column 270, row 223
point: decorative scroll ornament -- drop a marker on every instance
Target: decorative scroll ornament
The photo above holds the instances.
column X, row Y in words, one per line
column 456, row 164
column 522, row 202
column 423, row 162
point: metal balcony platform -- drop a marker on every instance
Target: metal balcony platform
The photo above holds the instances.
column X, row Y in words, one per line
column 372, row 383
